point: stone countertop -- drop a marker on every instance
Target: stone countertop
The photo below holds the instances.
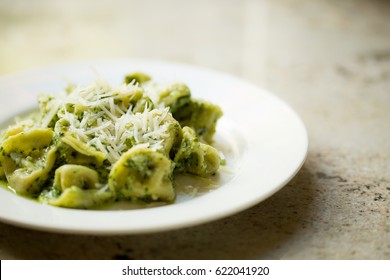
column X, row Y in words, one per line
column 330, row 60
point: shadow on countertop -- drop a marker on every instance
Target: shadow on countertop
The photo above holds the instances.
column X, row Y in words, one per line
column 257, row 233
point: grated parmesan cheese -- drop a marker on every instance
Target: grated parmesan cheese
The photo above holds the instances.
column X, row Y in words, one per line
column 97, row 115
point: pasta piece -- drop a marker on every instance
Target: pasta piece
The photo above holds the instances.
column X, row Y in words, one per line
column 195, row 157
column 76, row 186
column 143, row 174
column 81, row 153
column 201, row 116
column 74, row 197
column 137, row 77
column 72, row 175
column 175, row 96
column 27, row 159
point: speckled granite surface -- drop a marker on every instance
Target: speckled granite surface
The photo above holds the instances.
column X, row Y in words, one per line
column 330, row 60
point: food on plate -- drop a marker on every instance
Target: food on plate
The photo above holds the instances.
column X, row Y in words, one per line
column 97, row 143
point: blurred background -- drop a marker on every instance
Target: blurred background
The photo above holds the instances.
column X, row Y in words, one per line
column 218, row 34
column 328, row 59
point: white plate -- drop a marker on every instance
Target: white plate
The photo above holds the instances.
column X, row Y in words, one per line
column 264, row 140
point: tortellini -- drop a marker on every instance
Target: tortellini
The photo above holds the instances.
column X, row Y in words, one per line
column 97, row 144
column 70, row 175
column 142, row 173
column 76, row 152
column 26, row 159
column 75, row 197
column 195, row 157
